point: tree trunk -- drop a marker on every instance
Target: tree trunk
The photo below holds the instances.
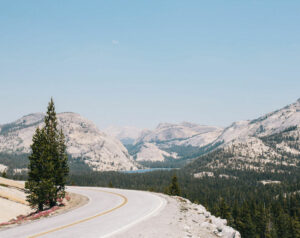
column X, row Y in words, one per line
column 52, row 203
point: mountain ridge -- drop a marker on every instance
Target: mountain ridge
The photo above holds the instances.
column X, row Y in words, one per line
column 269, row 143
column 84, row 140
column 167, row 138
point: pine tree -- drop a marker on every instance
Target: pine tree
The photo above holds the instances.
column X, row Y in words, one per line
column 283, row 224
column 110, row 185
column 270, row 230
column 48, row 167
column 52, row 149
column 39, row 183
column 235, row 214
column 224, row 211
column 260, row 220
column 61, row 166
column 295, row 227
column 246, row 226
column 4, row 175
column 174, row 187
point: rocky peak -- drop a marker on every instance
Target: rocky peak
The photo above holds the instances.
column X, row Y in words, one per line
column 30, row 119
column 84, row 140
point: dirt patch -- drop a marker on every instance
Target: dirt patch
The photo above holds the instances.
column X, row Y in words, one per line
column 76, row 200
column 15, row 209
column 71, row 201
column 13, row 194
column 11, row 183
column 10, row 210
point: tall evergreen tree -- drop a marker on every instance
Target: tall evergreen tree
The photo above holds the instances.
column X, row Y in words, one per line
column 174, row 187
column 39, row 183
column 283, row 224
column 224, row 211
column 246, row 226
column 4, row 175
column 48, row 167
column 295, row 227
column 62, row 168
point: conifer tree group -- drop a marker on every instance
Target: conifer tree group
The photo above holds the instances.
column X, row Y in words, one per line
column 174, row 187
column 48, row 163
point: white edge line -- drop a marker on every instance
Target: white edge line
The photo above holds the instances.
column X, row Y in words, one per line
column 162, row 204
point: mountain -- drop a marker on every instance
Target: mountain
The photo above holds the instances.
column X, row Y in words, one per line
column 173, row 141
column 126, row 134
column 181, row 133
column 85, row 142
column 265, row 125
column 269, row 143
column 250, row 143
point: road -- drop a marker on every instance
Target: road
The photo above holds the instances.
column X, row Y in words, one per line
column 108, row 212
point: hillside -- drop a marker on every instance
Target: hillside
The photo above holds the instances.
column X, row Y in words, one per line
column 251, row 143
column 173, row 141
column 270, row 143
column 85, row 142
column 265, row 125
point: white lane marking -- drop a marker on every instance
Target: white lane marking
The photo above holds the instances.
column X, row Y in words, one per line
column 162, row 204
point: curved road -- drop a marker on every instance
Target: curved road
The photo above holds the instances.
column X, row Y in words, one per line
column 108, row 212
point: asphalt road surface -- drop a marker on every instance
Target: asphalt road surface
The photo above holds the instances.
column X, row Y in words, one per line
column 108, row 212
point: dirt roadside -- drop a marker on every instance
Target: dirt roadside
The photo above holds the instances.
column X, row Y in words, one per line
column 15, row 209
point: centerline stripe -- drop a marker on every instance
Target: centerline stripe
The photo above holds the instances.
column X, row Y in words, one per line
column 125, row 200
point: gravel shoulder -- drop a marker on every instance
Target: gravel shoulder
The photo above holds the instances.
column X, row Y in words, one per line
column 76, row 201
column 180, row 218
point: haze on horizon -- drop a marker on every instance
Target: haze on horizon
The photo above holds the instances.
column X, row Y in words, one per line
column 143, row 63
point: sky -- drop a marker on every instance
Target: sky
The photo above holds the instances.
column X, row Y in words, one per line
column 140, row 63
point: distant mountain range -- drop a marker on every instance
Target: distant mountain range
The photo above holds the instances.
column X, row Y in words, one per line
column 126, row 134
column 247, row 140
column 172, row 141
column 272, row 139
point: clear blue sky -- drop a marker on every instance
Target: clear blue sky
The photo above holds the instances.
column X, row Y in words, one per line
column 144, row 62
